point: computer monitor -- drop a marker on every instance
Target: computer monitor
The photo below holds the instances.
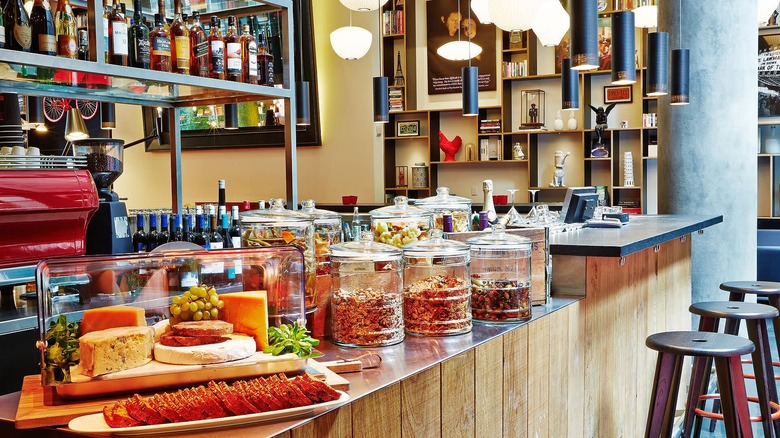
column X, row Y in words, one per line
column 579, row 204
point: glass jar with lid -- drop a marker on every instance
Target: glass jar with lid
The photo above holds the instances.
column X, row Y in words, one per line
column 401, row 223
column 277, row 226
column 367, row 293
column 500, row 277
column 445, row 203
column 437, row 290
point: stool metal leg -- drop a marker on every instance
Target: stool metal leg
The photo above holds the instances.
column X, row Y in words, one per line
column 660, row 418
column 700, row 380
column 736, row 417
column 765, row 378
column 774, row 301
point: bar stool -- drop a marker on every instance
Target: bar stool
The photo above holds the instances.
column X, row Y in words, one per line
column 672, row 348
column 768, row 289
column 755, row 316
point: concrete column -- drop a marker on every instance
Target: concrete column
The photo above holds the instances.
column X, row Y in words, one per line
column 707, row 150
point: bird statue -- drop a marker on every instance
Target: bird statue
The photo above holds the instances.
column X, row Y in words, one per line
column 450, row 147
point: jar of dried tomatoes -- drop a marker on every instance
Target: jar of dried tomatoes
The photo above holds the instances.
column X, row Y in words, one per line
column 367, row 295
column 500, row 277
column 436, row 287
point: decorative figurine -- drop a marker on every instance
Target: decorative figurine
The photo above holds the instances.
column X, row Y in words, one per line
column 399, row 73
column 517, row 151
column 560, row 160
column 450, row 147
column 572, row 123
column 558, row 122
column 598, row 150
column 533, row 106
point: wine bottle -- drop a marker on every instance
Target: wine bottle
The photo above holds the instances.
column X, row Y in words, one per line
column 216, row 56
column 18, row 34
column 248, row 56
column 199, row 236
column 152, row 235
column 224, row 231
column 2, row 31
column 164, row 235
column 44, row 35
column 140, row 56
column 355, row 226
column 215, row 237
column 106, row 29
column 199, row 48
column 177, row 234
column 139, row 237
column 235, row 231
column 187, row 234
column 180, row 42
column 265, row 61
column 221, row 202
column 233, row 52
column 83, row 45
column 117, row 42
column 65, row 23
column 160, row 57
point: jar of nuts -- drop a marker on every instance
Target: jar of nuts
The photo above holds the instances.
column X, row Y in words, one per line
column 436, row 287
column 401, row 223
column 367, row 293
column 500, row 277
column 445, row 203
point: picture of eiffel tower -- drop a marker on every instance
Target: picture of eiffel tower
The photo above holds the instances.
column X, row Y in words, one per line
column 399, row 73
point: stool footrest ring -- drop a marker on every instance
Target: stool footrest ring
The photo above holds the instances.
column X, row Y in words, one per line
column 713, row 416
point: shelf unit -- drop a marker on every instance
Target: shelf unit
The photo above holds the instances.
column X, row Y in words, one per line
column 768, row 153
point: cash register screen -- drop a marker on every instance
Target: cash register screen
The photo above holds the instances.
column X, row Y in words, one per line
column 579, row 204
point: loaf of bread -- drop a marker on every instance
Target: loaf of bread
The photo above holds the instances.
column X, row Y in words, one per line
column 115, row 349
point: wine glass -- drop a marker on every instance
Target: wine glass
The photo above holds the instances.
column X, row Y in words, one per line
column 513, row 217
column 532, row 195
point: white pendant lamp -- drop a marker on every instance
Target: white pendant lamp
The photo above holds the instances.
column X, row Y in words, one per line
column 363, row 5
column 480, row 8
column 765, row 10
column 351, row 42
column 459, row 50
column 646, row 14
column 551, row 23
column 513, row 15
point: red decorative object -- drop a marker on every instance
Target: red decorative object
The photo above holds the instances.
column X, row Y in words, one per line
column 450, row 147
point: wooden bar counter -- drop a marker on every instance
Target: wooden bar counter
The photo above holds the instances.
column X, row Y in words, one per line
column 579, row 368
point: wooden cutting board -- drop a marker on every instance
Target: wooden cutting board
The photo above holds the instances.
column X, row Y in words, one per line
column 39, row 406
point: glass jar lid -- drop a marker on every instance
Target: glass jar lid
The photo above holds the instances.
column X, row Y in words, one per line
column 275, row 214
column 401, row 208
column 499, row 237
column 318, row 215
column 436, row 246
column 365, row 250
column 444, row 200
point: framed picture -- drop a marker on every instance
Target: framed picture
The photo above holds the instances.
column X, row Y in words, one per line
column 618, row 94
column 401, row 176
column 409, row 128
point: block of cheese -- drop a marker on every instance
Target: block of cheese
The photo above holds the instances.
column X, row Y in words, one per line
column 115, row 349
column 234, row 348
column 110, row 317
column 248, row 312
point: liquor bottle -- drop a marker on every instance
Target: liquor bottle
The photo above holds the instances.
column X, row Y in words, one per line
column 180, row 42
column 139, row 237
column 164, row 235
column 216, row 56
column 232, row 52
column 235, row 231
column 152, row 235
column 139, row 39
column 117, row 41
column 215, row 237
column 18, row 34
column 161, row 11
column 65, row 23
column 44, row 35
column 187, row 234
column 199, row 236
column 199, row 48
column 265, row 61
column 274, row 41
column 106, row 38
column 248, row 56
column 355, row 226
column 177, row 234
column 83, row 45
column 224, row 231
column 160, row 43
column 221, row 197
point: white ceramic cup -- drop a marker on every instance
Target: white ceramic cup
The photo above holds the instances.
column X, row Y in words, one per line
column 5, row 150
column 33, row 163
column 32, row 150
column 18, row 150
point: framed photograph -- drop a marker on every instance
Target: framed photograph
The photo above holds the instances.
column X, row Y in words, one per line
column 618, row 94
column 408, row 128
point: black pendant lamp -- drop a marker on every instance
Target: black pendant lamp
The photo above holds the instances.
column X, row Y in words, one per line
column 302, row 110
column 470, row 83
column 107, row 115
column 35, row 110
column 584, row 48
column 381, row 100
column 623, row 48
column 570, row 86
column 657, row 63
column 231, row 116
column 681, row 64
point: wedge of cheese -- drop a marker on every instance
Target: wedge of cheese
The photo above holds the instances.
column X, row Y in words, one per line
column 110, row 317
column 248, row 312
column 115, row 349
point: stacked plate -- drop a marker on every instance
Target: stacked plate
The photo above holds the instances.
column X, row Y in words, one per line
column 10, row 121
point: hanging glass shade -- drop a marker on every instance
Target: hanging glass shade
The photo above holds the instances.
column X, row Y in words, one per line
column 480, row 8
column 459, row 50
column 351, row 42
column 513, row 15
column 363, row 5
column 646, row 14
column 551, row 23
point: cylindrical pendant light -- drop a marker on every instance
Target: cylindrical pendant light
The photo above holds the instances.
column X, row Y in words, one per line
column 381, row 100
column 570, row 86
column 35, row 109
column 681, row 63
column 657, row 63
column 231, row 116
column 623, row 48
column 107, row 115
column 470, row 91
column 584, row 46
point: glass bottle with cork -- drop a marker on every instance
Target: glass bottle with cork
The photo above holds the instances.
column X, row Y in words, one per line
column 216, row 54
column 18, row 33
column 139, row 39
column 248, row 56
column 83, row 45
column 199, row 48
column 160, row 42
column 117, row 42
column 180, row 42
column 232, row 52
column 265, row 61
column 44, row 35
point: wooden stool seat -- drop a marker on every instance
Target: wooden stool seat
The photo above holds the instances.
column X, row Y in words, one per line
column 733, row 310
column 752, row 287
column 725, row 350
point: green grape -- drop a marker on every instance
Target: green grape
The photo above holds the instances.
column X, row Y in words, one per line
column 186, row 294
column 220, row 304
column 201, row 305
column 212, row 291
column 197, row 316
column 175, row 310
column 208, row 306
column 193, row 307
column 176, row 299
column 214, row 313
column 206, row 315
column 214, row 300
column 184, row 300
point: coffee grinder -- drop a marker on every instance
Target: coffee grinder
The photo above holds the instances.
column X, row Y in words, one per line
column 109, row 230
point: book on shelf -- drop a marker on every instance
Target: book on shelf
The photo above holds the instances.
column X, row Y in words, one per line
column 489, row 126
column 393, row 21
column 396, row 97
column 515, row 69
column 490, row 149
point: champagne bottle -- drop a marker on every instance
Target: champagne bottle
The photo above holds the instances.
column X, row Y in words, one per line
column 487, row 203
column 233, row 52
column 140, row 56
column 18, row 33
column 160, row 42
column 248, row 56
column 117, row 42
column 180, row 42
column 216, row 57
column 199, row 48
column 65, row 21
column 44, row 35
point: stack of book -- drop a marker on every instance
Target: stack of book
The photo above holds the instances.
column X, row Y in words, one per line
column 515, row 69
column 396, row 99
column 490, row 148
column 489, row 126
column 393, row 22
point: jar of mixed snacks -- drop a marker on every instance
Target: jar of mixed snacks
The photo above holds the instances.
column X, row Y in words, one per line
column 500, row 277
column 400, row 224
column 367, row 293
column 444, row 203
column 436, row 287
column 276, row 226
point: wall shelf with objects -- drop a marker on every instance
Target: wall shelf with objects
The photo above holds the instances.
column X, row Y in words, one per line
column 768, row 153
